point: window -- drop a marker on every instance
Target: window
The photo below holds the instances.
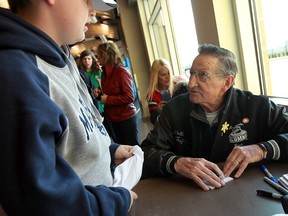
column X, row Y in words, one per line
column 185, row 32
column 158, row 32
column 270, row 20
column 170, row 31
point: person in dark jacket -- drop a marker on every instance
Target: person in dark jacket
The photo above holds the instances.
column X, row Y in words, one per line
column 212, row 123
column 55, row 153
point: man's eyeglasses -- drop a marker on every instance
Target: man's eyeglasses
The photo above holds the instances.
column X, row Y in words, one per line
column 202, row 76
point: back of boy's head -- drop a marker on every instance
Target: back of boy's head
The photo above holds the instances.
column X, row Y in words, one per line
column 15, row 5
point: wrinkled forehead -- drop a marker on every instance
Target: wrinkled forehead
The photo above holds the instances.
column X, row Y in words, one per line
column 205, row 63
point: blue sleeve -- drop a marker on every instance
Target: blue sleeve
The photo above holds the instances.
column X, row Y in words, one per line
column 113, row 147
column 34, row 179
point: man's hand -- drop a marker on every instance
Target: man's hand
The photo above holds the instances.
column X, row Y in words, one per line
column 240, row 157
column 134, row 196
column 122, row 153
column 199, row 169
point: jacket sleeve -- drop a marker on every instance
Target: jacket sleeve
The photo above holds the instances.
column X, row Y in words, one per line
column 126, row 95
column 157, row 148
column 113, row 147
column 153, row 116
column 277, row 133
column 35, row 180
column 153, row 106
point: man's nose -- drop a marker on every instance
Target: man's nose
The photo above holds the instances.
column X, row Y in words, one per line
column 193, row 81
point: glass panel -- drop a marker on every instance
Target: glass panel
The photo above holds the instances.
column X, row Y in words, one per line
column 151, row 4
column 272, row 18
column 160, row 36
column 185, row 32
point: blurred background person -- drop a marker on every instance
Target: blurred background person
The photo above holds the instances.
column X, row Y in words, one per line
column 91, row 73
column 180, row 85
column 117, row 94
column 160, row 88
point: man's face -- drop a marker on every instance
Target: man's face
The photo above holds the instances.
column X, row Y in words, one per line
column 208, row 93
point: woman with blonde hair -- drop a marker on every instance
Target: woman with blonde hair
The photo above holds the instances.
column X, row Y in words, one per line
column 160, row 88
column 117, row 94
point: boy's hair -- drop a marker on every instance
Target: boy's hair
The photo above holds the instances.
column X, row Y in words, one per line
column 16, row 4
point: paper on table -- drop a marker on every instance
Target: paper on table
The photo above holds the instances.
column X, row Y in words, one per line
column 128, row 173
column 226, row 180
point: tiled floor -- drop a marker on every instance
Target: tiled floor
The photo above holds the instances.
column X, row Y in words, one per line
column 144, row 126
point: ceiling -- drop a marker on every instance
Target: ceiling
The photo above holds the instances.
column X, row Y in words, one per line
column 132, row 2
column 107, row 17
column 108, row 25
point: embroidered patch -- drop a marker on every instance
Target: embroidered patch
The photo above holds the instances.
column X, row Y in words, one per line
column 179, row 137
column 238, row 135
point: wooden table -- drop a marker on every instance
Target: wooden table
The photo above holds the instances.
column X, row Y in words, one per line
column 180, row 196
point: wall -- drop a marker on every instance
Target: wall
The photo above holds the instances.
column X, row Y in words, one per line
column 136, row 46
column 4, row 4
column 227, row 23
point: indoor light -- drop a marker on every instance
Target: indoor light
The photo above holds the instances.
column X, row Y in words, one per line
column 105, row 5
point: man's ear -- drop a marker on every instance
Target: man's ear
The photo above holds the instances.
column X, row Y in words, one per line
column 229, row 81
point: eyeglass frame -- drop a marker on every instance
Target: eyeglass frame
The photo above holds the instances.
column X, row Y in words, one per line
column 203, row 76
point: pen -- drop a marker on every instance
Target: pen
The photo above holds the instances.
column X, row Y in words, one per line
column 284, row 202
column 268, row 194
column 275, row 185
column 268, row 174
column 283, row 182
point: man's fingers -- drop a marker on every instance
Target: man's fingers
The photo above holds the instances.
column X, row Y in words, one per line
column 241, row 169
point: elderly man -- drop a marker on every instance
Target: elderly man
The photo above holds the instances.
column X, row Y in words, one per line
column 213, row 123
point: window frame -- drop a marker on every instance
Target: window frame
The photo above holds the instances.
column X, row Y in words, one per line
column 148, row 17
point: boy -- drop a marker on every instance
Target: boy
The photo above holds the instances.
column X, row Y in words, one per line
column 54, row 150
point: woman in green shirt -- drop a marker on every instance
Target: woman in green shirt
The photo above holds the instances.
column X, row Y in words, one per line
column 91, row 73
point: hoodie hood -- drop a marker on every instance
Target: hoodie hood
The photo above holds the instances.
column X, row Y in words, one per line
column 9, row 39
